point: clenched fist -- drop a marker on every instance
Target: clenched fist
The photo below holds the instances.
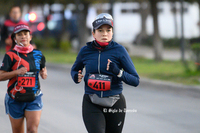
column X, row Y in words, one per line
column 80, row 76
column 43, row 73
column 21, row 71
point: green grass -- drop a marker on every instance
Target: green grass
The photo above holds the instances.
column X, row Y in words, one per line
column 2, row 51
column 57, row 56
column 165, row 70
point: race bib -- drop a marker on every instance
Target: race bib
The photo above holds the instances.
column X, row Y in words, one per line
column 99, row 82
column 27, row 80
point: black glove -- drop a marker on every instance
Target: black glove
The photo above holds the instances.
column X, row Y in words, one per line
column 76, row 78
column 113, row 68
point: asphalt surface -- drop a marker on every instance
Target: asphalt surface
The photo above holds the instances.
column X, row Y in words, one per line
column 172, row 54
column 152, row 108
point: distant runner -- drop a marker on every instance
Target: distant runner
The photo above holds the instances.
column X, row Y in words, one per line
column 9, row 24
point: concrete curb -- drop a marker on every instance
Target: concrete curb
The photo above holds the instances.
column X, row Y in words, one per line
column 143, row 81
column 168, row 84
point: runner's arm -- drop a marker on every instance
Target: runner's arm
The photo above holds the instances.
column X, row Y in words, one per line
column 43, row 73
column 78, row 65
column 129, row 75
column 43, row 69
column 5, row 69
column 8, row 75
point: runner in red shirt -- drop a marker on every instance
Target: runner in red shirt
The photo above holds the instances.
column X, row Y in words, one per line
column 9, row 24
column 22, row 66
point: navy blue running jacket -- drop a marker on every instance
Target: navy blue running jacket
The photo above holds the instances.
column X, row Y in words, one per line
column 95, row 61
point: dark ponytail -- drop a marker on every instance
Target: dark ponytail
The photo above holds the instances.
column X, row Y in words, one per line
column 13, row 40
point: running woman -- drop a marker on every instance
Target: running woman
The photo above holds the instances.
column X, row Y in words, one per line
column 107, row 64
column 22, row 66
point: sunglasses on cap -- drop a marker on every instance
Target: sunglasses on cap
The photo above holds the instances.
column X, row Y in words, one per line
column 104, row 15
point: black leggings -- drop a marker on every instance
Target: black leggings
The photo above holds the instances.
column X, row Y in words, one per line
column 99, row 119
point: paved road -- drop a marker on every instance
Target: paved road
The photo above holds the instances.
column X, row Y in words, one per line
column 153, row 109
column 148, row 52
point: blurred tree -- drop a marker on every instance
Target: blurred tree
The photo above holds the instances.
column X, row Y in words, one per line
column 82, row 11
column 144, row 12
column 198, row 1
column 199, row 16
column 111, row 6
column 174, row 11
column 157, row 42
column 182, row 41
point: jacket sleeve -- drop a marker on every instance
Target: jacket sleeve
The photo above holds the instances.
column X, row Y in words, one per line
column 129, row 75
column 78, row 65
column 4, row 33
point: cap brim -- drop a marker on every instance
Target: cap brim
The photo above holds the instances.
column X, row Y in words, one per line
column 99, row 22
column 21, row 30
column 101, row 25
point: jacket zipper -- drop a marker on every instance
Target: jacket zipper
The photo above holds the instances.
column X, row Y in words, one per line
column 99, row 63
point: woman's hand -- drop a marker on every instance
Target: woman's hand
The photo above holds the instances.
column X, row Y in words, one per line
column 112, row 67
column 80, row 76
column 4, row 75
column 21, row 71
column 43, row 73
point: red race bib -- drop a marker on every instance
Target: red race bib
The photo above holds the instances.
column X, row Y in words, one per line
column 99, row 82
column 26, row 80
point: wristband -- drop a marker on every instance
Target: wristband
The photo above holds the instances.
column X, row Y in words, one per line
column 120, row 74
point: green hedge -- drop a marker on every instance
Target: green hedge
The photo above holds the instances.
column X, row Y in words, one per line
column 51, row 43
column 196, row 50
column 167, row 42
